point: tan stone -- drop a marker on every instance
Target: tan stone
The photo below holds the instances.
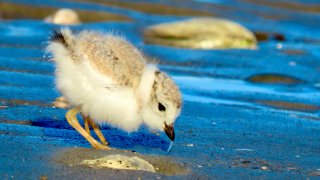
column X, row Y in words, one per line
column 201, row 33
column 120, row 162
column 64, row 17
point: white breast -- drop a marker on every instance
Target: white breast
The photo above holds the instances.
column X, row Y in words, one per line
column 98, row 96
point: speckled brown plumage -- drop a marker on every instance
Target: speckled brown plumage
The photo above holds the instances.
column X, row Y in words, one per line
column 112, row 56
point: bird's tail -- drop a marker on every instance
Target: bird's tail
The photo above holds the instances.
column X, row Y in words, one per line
column 63, row 37
column 61, row 44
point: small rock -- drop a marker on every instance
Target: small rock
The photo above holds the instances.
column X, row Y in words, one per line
column 3, row 107
column 279, row 37
column 64, row 16
column 279, row 46
column 120, row 162
column 293, row 52
column 246, row 162
column 43, row 177
column 292, row 168
column 264, row 168
column 261, row 36
column 201, row 33
column 296, row 106
column 315, row 173
column 273, row 79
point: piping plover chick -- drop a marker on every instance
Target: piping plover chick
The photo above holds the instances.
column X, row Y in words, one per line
column 109, row 81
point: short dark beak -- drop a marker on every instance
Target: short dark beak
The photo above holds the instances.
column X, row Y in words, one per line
column 169, row 131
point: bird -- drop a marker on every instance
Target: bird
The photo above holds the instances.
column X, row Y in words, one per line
column 107, row 80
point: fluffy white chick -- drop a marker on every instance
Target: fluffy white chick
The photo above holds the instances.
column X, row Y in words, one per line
column 108, row 80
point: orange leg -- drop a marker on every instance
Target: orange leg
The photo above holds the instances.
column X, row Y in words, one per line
column 98, row 132
column 86, row 124
column 73, row 121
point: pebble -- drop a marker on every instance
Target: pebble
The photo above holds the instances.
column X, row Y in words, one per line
column 279, row 46
column 201, row 33
column 264, row 168
column 120, row 162
column 64, row 16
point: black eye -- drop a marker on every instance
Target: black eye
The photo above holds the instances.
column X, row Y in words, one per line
column 161, row 107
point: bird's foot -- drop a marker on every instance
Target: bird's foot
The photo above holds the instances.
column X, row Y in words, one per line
column 101, row 146
column 73, row 121
column 88, row 122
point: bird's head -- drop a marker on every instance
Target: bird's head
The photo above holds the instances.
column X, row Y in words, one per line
column 164, row 105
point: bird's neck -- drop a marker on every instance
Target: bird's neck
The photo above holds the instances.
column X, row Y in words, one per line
column 146, row 83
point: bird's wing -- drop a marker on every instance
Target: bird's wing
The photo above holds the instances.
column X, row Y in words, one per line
column 112, row 56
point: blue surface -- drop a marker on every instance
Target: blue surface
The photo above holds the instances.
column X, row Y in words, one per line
column 222, row 130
